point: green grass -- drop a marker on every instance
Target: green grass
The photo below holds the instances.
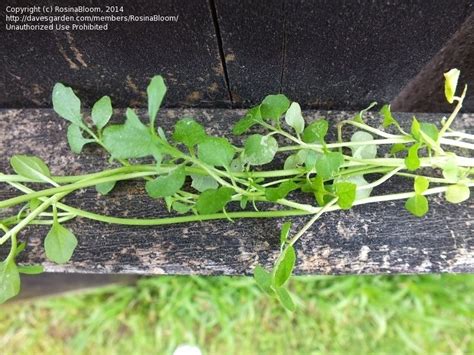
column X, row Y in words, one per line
column 222, row 315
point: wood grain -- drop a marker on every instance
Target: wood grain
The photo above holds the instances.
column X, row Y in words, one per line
column 377, row 238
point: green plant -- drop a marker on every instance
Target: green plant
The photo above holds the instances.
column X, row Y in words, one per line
column 222, row 173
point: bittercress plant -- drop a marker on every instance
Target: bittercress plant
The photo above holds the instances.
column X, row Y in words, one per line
column 199, row 176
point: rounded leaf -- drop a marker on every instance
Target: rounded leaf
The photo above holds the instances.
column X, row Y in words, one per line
column 274, row 106
column 259, row 150
column 368, row 151
column 294, row 118
column 216, row 151
column 59, row 244
column 457, row 193
column 189, row 132
column 417, row 205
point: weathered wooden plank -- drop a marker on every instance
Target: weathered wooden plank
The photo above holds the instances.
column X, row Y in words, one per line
column 356, row 52
column 332, row 54
column 118, row 62
column 252, row 40
column 49, row 284
column 378, row 238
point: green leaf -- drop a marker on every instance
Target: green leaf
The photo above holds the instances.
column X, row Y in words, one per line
column 237, row 165
column 368, row 151
column 457, row 193
column 319, row 190
column 19, row 248
column 360, row 116
column 274, row 106
column 285, row 299
column 216, row 151
column 156, row 91
column 102, row 112
column 346, row 193
column 31, row 269
column 311, row 158
column 181, row 208
column 285, row 266
column 67, row 104
column 263, row 279
column 285, row 231
column 359, row 181
column 316, row 131
column 203, row 182
column 75, row 138
column 105, row 187
column 421, row 184
column 397, row 148
column 388, row 119
column 412, row 161
column 214, row 200
column 276, row 193
column 9, row 280
column 59, row 244
column 430, row 130
column 259, row 150
column 30, row 167
column 189, row 132
column 166, row 185
column 130, row 140
column 451, row 170
column 451, row 81
column 417, row 205
column 243, row 202
column 291, row 162
column 251, row 118
column 415, row 129
column 294, row 118
column 34, row 203
column 328, row 164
